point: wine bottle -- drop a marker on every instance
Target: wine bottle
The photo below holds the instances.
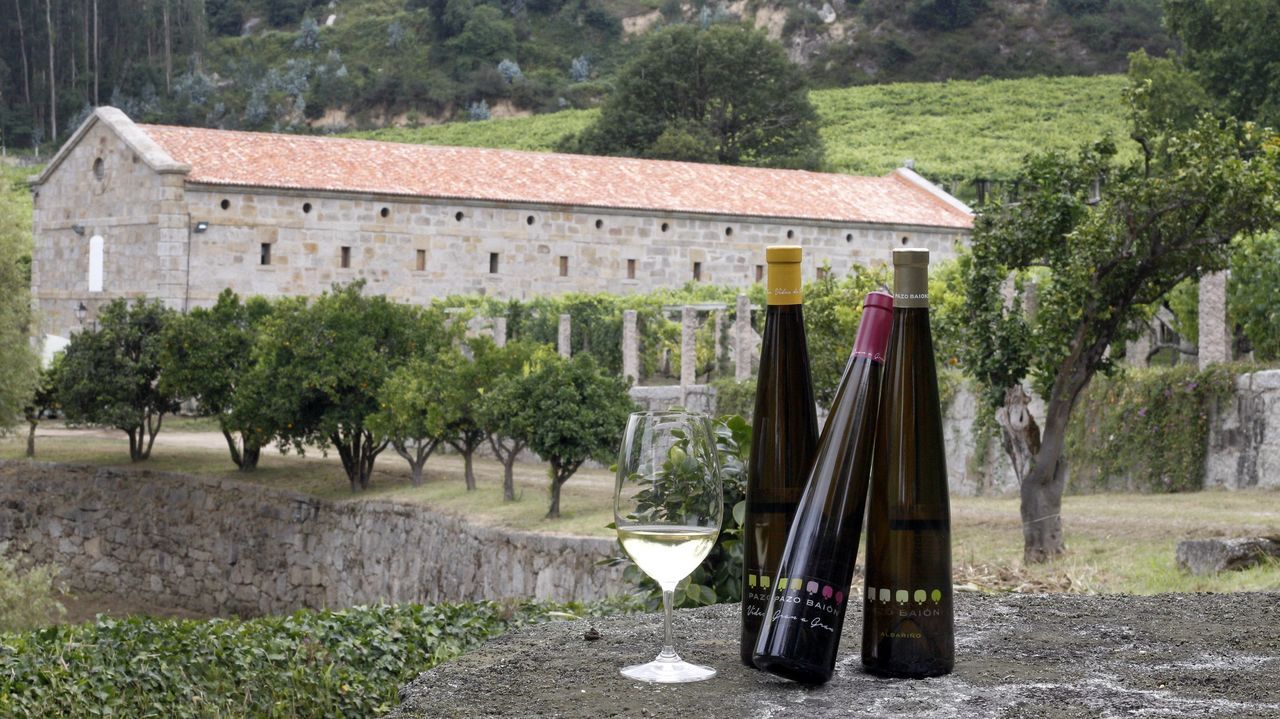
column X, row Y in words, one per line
column 908, row 627
column 806, row 610
column 784, row 434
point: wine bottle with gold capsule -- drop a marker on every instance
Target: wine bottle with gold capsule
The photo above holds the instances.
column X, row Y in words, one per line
column 908, row 624
column 784, row 435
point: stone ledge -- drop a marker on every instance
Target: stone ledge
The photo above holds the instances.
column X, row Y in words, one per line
column 1202, row 655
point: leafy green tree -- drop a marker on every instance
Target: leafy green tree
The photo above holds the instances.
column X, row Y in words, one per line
column 1100, row 264
column 832, row 310
column 471, row 380
column 1165, row 94
column 206, row 355
column 18, row 363
column 44, row 399
column 486, row 36
column 1253, row 292
column 111, row 376
column 945, row 14
column 499, row 409
column 318, row 367
column 726, row 94
column 1230, row 47
column 417, row 405
column 571, row 411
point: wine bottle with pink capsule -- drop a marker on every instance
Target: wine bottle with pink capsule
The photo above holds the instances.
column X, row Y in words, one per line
column 806, row 609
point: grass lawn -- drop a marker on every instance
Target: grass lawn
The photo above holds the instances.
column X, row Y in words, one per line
column 1117, row 542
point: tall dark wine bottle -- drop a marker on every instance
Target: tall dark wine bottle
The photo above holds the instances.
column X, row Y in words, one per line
column 907, row 627
column 784, row 434
column 806, row 611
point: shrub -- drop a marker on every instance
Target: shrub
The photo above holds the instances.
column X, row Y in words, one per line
column 734, row 397
column 1145, row 430
column 28, row 599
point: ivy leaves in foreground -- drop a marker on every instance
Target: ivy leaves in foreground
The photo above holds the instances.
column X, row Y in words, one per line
column 309, row 664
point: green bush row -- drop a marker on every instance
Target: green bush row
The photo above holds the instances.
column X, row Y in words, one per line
column 346, row 663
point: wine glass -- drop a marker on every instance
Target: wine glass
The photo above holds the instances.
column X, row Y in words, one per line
column 667, row 505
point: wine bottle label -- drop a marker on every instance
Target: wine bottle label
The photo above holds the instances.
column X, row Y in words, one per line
column 911, row 277
column 812, row 602
column 900, row 609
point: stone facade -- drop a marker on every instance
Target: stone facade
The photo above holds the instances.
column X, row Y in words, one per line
column 177, row 240
column 220, row 546
column 1244, row 435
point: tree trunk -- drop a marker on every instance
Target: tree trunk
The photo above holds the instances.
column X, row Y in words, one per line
column 22, row 47
column 250, row 456
column 418, row 459
column 96, row 70
column 507, row 455
column 31, row 438
column 233, row 446
column 53, row 81
column 152, row 430
column 134, row 444
column 168, row 49
column 1020, row 435
column 554, row 512
column 469, row 469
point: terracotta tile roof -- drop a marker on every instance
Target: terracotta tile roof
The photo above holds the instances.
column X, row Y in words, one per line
column 306, row 162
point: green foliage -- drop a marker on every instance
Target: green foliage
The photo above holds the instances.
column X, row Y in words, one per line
column 719, row 578
column 319, row 366
column 1253, row 292
column 43, row 400
column 734, row 397
column 832, row 310
column 1164, row 94
column 308, row 664
column 1146, row 430
column 111, row 376
column 1184, row 301
column 539, row 133
column 575, row 411
column 1229, row 46
column 18, row 363
column 206, row 354
column 417, row 405
column 945, row 14
column 28, row 598
column 1101, row 264
column 725, row 94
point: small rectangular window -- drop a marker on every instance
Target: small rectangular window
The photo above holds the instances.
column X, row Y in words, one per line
column 95, row 263
column 631, row 269
column 822, row 273
column 421, row 264
column 697, row 272
column 345, row 260
column 759, row 273
column 264, row 254
column 493, row 263
column 564, row 266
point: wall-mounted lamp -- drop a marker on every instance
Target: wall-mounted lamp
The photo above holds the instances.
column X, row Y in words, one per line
column 81, row 311
column 201, row 227
column 78, row 229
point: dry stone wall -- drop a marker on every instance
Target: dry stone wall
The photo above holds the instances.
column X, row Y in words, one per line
column 222, row 546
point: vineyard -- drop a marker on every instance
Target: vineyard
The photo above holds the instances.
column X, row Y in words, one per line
column 958, row 130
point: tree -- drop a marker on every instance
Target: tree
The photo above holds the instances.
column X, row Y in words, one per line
column 471, row 379
column 726, row 94
column 43, row 400
column 1099, row 264
column 416, row 407
column 18, row 366
column 318, row 367
column 570, row 411
column 832, row 310
column 499, row 410
column 206, row 355
column 1230, row 48
column 1252, row 290
column 111, row 376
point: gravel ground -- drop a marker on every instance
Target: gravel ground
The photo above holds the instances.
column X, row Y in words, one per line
column 1053, row 656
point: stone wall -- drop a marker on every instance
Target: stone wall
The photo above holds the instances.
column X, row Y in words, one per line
column 222, row 546
column 1244, row 436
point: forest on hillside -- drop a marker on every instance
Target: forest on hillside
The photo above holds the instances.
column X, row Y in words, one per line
column 332, row 65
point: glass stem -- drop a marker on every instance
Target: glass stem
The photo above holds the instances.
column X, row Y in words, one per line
column 668, row 643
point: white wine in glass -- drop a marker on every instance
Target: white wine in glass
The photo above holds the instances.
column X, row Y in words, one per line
column 668, row 504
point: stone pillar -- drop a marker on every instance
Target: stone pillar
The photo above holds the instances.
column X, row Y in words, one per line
column 715, row 341
column 741, row 340
column 562, row 342
column 688, row 346
column 500, row 331
column 630, row 346
column 1215, row 337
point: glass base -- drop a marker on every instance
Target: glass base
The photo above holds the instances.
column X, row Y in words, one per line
column 668, row 669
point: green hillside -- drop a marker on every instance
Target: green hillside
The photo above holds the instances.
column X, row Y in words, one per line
column 959, row 130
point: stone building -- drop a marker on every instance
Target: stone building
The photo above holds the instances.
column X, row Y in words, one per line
column 178, row 214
